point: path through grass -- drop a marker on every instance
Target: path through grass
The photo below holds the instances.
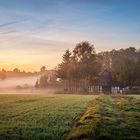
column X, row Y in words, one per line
column 109, row 118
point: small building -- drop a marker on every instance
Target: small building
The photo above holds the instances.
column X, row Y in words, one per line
column 103, row 84
column 105, row 81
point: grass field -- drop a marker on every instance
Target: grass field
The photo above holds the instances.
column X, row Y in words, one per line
column 135, row 96
column 70, row 117
column 39, row 116
column 109, row 118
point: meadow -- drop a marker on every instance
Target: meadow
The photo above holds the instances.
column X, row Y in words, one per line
column 69, row 117
column 39, row 116
column 109, row 118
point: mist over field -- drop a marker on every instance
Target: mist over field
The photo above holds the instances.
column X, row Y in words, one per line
column 18, row 81
column 24, row 85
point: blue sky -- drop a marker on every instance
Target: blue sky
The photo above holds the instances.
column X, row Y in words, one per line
column 37, row 32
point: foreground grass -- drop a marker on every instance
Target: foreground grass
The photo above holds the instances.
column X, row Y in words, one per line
column 37, row 117
column 135, row 96
column 109, row 118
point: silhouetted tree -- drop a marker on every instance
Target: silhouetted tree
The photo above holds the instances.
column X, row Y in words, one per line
column 16, row 70
column 37, row 84
column 43, row 83
column 43, row 69
column 64, row 68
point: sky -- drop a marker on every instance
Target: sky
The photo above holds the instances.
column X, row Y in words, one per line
column 37, row 32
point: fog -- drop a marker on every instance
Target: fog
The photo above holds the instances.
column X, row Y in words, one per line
column 11, row 86
column 20, row 81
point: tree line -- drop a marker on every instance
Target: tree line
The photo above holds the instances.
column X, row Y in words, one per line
column 124, row 65
column 82, row 67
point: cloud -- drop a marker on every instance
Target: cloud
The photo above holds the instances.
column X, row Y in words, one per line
column 7, row 32
column 12, row 22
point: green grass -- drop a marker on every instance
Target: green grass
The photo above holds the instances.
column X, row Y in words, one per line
column 109, row 118
column 39, row 117
column 135, row 96
column 70, row 117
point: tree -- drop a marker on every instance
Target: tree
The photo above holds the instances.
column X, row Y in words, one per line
column 37, row 84
column 89, row 66
column 16, row 70
column 63, row 70
column 110, row 58
column 138, row 73
column 84, row 51
column 79, row 67
column 43, row 81
column 64, row 67
column 3, row 70
column 43, row 69
column 126, row 72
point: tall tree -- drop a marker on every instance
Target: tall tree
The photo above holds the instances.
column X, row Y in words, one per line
column 86, row 57
column 63, row 70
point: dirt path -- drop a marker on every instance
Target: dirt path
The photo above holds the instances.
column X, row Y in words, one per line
column 109, row 118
